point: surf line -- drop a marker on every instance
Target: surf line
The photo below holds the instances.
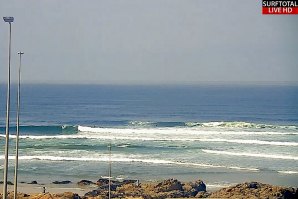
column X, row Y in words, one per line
column 258, row 155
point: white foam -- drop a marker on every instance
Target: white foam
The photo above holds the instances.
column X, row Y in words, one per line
column 239, row 125
column 120, row 158
column 272, row 156
column 218, row 186
column 141, row 123
column 123, row 146
column 260, row 142
column 288, row 172
column 152, row 135
column 176, row 131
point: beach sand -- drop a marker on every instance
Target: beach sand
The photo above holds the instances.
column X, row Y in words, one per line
column 51, row 188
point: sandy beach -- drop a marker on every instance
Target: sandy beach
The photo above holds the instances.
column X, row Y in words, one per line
column 50, row 188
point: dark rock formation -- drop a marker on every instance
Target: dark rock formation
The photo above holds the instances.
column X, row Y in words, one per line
column 256, row 190
column 129, row 181
column 193, row 188
column 62, row 182
column 168, row 185
column 8, row 183
column 104, row 181
column 33, row 182
column 173, row 188
column 85, row 182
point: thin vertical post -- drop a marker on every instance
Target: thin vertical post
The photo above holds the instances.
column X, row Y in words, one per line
column 18, row 131
column 7, row 119
column 110, row 169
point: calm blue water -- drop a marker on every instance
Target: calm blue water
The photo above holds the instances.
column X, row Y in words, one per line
column 221, row 134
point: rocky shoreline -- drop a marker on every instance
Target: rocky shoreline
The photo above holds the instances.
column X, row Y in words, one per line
column 170, row 188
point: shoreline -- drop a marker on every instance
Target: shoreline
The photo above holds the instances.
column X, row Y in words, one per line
column 170, row 188
column 50, row 188
column 82, row 189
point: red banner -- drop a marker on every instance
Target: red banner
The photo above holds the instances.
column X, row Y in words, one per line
column 280, row 10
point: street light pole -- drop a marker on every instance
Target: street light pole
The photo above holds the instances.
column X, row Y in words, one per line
column 8, row 20
column 17, row 133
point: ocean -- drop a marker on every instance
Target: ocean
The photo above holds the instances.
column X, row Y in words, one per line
column 220, row 134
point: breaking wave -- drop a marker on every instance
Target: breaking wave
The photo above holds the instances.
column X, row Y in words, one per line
column 164, row 134
column 256, row 155
column 215, row 124
column 174, row 130
column 252, row 128
column 245, row 125
column 288, row 172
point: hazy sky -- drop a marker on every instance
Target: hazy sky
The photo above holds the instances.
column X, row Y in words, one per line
column 149, row 42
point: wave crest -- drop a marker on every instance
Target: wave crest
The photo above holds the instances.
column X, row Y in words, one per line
column 245, row 125
column 255, row 155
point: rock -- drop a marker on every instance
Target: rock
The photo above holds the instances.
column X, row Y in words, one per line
column 62, row 182
column 174, row 189
column 253, row 185
column 189, row 190
column 256, row 190
column 33, row 182
column 85, row 182
column 43, row 196
column 67, row 195
column 164, row 195
column 8, row 183
column 130, row 190
column 93, row 193
column 113, row 187
column 129, row 181
column 102, row 181
column 192, row 189
column 202, row 194
column 199, row 185
column 169, row 185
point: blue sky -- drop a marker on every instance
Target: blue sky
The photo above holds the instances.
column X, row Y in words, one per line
column 149, row 42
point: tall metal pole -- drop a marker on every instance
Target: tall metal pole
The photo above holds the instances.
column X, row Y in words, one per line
column 17, row 133
column 9, row 20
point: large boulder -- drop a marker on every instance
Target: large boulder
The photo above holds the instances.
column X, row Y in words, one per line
column 169, row 185
column 93, row 193
column 256, row 190
column 130, row 190
column 104, row 181
column 193, row 188
column 127, row 181
column 67, row 195
column 85, row 183
column 33, row 182
column 62, row 182
column 8, row 183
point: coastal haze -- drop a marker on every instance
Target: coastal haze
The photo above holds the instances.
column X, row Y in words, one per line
column 180, row 89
